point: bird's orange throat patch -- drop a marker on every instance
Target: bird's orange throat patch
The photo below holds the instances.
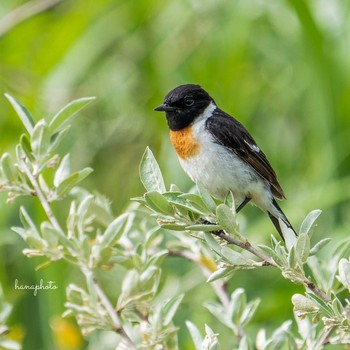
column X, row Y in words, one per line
column 185, row 144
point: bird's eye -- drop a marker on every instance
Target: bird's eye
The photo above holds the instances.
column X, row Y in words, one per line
column 188, row 100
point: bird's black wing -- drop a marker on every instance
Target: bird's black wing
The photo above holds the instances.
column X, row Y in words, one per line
column 230, row 133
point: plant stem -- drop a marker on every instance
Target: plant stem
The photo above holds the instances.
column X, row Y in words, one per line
column 103, row 298
column 246, row 246
column 113, row 315
column 42, row 198
column 269, row 261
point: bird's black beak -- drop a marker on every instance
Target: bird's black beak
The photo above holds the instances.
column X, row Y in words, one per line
column 164, row 108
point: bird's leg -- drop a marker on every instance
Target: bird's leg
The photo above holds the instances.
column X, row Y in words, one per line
column 242, row 205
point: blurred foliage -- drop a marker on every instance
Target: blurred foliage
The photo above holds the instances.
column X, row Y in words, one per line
column 282, row 68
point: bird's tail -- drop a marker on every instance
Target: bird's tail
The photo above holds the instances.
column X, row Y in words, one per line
column 281, row 215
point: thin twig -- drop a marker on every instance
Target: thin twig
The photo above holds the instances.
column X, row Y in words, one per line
column 42, row 198
column 113, row 315
column 324, row 339
column 246, row 246
column 269, row 261
column 104, row 300
column 313, row 288
column 22, row 13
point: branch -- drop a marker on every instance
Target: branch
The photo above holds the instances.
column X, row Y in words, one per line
column 269, row 261
column 113, row 315
column 104, row 300
column 40, row 194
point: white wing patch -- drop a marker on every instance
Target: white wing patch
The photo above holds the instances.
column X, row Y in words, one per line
column 254, row 148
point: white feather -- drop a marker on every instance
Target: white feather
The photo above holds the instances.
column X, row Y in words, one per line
column 220, row 170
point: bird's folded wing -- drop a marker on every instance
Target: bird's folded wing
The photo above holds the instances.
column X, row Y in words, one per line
column 230, row 133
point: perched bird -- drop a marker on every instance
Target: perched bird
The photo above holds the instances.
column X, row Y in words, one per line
column 217, row 151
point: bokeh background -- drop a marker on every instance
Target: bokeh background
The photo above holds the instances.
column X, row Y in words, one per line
column 281, row 67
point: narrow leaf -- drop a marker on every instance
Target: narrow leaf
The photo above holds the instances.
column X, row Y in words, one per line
column 150, row 174
column 226, row 218
column 62, row 171
column 303, row 247
column 221, row 273
column 8, row 167
column 40, row 139
column 206, row 197
column 114, row 230
column 27, row 148
column 319, row 245
column 65, row 115
column 158, row 202
column 344, row 273
column 170, row 308
column 72, row 180
column 58, row 137
column 309, row 221
column 195, row 334
column 23, row 113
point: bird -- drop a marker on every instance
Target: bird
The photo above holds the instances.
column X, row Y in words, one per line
column 217, row 151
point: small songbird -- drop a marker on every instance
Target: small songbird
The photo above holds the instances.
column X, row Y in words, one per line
column 217, row 151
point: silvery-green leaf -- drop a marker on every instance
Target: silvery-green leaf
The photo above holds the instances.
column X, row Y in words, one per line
column 302, row 247
column 8, row 344
column 309, row 221
column 230, row 202
column 249, row 312
column 344, row 273
column 150, row 174
column 319, row 245
column 72, row 180
column 195, row 334
column 201, row 227
column 49, row 234
column 114, row 230
column 243, row 344
column 174, row 188
column 219, row 312
column 40, row 139
column 170, row 307
column 57, row 138
column 22, row 112
column 303, row 303
column 196, row 201
column 278, row 337
column 25, row 143
column 292, row 261
column 210, row 341
column 28, row 223
column 63, row 170
column 65, row 115
column 212, row 243
column 222, row 272
column 180, row 202
column 235, row 258
column 158, row 202
column 206, row 197
column 225, row 218
column 288, row 234
column 8, row 167
column 173, row 227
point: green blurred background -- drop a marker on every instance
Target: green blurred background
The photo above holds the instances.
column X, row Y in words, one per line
column 281, row 67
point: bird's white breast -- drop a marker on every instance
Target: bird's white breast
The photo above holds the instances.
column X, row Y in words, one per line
column 220, row 170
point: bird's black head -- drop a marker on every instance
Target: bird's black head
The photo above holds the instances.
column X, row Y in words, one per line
column 183, row 105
